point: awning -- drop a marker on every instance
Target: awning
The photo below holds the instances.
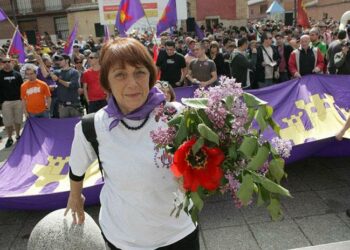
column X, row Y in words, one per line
column 275, row 8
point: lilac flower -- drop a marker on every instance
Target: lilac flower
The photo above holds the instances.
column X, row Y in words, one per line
column 265, row 168
column 233, row 185
column 163, row 136
column 217, row 115
column 283, row 147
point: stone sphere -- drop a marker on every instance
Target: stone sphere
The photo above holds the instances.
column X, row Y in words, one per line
column 56, row 231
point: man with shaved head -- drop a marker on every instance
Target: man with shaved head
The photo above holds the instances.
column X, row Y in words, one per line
column 305, row 60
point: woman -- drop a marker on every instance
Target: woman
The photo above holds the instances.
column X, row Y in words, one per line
column 217, row 57
column 138, row 193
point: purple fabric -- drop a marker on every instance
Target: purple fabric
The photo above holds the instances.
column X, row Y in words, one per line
column 17, row 47
column 106, row 36
column 199, row 32
column 3, row 15
column 129, row 12
column 168, row 18
column 44, row 140
column 68, row 47
column 155, row 98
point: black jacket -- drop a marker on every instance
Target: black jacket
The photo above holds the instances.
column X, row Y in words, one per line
column 239, row 65
column 260, row 70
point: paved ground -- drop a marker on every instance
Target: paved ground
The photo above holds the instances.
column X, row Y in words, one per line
column 316, row 214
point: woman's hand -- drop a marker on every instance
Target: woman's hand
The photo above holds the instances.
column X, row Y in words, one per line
column 340, row 135
column 76, row 205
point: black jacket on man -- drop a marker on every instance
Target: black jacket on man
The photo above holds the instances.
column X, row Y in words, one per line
column 260, row 70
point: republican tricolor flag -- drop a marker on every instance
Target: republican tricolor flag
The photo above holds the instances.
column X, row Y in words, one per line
column 129, row 12
column 16, row 47
column 168, row 18
column 68, row 47
column 3, row 15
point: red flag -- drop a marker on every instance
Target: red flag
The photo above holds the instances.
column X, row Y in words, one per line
column 155, row 57
column 303, row 20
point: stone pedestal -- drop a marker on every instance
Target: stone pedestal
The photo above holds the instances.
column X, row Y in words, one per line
column 55, row 231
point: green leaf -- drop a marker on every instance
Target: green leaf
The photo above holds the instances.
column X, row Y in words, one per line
column 203, row 117
column 274, row 187
column 194, row 215
column 197, row 103
column 276, row 169
column 229, row 102
column 263, row 195
column 269, row 111
column 260, row 118
column 181, row 134
column 260, row 158
column 275, row 209
column 198, row 145
column 248, row 146
column 176, row 120
column 197, row 200
column 232, row 152
column 252, row 100
column 274, row 126
column 208, row 134
column 246, row 189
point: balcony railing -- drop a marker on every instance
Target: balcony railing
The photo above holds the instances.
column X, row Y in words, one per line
column 24, row 7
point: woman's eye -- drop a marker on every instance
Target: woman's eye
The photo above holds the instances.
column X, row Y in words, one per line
column 140, row 73
column 120, row 75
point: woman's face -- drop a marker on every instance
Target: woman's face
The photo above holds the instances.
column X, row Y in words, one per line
column 129, row 86
column 214, row 50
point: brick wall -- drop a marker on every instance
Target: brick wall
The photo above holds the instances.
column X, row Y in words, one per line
column 226, row 9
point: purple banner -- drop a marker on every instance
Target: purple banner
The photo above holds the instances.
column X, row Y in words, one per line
column 310, row 111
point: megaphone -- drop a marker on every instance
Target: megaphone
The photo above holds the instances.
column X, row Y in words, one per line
column 344, row 20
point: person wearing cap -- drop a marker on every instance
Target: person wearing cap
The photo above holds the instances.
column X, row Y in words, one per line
column 67, row 80
column 10, row 97
column 76, row 51
column 342, row 59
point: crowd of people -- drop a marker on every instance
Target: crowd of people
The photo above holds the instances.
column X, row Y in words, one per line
column 120, row 75
column 256, row 55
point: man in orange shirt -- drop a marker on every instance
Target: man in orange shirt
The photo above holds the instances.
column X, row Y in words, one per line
column 35, row 95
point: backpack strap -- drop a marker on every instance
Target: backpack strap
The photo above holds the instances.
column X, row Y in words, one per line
column 88, row 125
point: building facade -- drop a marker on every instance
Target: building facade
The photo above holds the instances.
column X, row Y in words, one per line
column 316, row 9
column 35, row 17
column 211, row 12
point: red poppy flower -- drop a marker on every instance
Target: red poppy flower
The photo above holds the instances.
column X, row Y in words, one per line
column 202, row 169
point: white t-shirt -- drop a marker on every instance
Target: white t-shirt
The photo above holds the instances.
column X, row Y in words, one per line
column 138, row 194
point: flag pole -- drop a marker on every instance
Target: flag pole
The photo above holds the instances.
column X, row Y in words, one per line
column 13, row 37
column 13, row 25
column 149, row 25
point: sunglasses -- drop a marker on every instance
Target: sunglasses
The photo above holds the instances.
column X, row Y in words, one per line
column 91, row 57
column 78, row 62
column 269, row 38
column 76, row 47
column 6, row 61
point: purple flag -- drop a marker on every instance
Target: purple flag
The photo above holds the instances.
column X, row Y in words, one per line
column 17, row 47
column 106, row 36
column 3, row 15
column 168, row 18
column 129, row 12
column 68, row 47
column 199, row 32
column 309, row 111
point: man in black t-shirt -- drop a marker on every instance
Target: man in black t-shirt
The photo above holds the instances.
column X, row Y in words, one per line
column 172, row 65
column 10, row 97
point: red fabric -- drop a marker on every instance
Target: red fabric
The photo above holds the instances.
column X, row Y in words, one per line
column 292, row 64
column 303, row 20
column 92, row 79
column 320, row 61
column 155, row 58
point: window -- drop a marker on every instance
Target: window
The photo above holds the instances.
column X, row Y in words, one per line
column 263, row 8
column 24, row 6
column 53, row 5
column 61, row 26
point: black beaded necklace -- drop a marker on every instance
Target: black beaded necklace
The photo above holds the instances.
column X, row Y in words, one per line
column 135, row 128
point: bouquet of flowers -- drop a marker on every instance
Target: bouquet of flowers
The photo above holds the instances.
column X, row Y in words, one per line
column 217, row 147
